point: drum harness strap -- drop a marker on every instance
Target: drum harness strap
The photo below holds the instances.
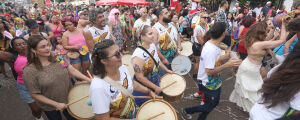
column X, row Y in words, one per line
column 156, row 64
column 118, row 86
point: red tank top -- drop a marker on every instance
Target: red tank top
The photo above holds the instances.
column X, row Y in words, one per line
column 241, row 48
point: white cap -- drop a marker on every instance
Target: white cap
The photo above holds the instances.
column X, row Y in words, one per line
column 269, row 2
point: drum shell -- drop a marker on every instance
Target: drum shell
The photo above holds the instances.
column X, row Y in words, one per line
column 171, row 98
column 70, row 111
column 152, row 100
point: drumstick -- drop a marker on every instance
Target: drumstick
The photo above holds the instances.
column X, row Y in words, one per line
column 148, row 97
column 175, row 64
column 169, row 85
column 75, row 101
column 88, row 72
column 155, row 116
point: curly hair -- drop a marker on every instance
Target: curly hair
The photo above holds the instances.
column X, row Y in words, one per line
column 71, row 19
column 256, row 32
column 93, row 13
column 283, row 84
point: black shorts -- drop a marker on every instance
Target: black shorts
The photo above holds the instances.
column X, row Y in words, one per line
column 197, row 48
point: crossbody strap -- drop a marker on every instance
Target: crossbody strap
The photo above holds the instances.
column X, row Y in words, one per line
column 156, row 64
column 118, row 86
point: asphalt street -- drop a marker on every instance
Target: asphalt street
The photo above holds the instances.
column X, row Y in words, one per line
column 13, row 108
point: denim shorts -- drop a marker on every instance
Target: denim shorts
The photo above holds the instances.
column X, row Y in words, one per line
column 81, row 58
column 25, row 95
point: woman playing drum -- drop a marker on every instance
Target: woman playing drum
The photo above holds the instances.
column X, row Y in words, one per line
column 47, row 81
column 145, row 68
column 108, row 102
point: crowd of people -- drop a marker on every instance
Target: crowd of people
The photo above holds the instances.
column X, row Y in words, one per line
column 51, row 48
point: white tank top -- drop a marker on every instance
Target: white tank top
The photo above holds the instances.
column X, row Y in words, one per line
column 99, row 35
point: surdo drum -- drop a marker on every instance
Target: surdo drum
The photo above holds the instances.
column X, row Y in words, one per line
column 173, row 86
column 80, row 109
column 156, row 110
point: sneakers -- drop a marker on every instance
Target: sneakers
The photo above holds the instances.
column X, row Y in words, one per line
column 185, row 115
column 197, row 95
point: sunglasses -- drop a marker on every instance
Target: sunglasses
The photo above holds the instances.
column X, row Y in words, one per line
column 117, row 54
column 117, row 14
column 205, row 17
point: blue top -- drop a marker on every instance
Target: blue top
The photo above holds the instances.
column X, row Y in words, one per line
column 281, row 49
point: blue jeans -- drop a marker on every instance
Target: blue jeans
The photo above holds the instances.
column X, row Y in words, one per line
column 212, row 98
column 161, row 72
column 55, row 115
column 25, row 95
column 80, row 59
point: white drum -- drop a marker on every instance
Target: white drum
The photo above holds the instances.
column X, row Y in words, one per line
column 156, row 110
column 173, row 87
column 181, row 65
column 126, row 60
column 186, row 48
column 80, row 109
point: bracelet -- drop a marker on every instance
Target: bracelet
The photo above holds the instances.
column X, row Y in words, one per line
column 149, row 91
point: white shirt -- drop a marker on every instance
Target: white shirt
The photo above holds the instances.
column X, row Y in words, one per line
column 257, row 11
column 196, row 5
column 139, row 23
column 208, row 59
column 198, row 31
column 106, row 97
column 261, row 112
column 149, row 66
column 98, row 34
column 195, row 19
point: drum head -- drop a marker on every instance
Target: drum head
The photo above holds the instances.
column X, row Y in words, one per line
column 176, row 88
column 73, row 55
column 186, row 48
column 126, row 60
column 80, row 109
column 182, row 65
column 156, row 107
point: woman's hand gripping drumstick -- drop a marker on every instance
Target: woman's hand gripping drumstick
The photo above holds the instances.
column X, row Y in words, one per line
column 75, row 101
column 154, row 116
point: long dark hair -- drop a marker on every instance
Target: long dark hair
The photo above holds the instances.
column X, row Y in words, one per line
column 283, row 84
column 100, row 52
column 33, row 41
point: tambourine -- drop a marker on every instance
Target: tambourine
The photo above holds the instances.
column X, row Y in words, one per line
column 83, row 50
